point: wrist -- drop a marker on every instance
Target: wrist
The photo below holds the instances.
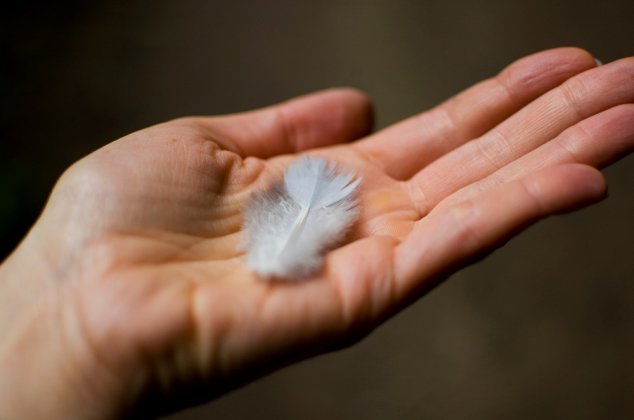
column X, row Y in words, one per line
column 22, row 280
column 47, row 369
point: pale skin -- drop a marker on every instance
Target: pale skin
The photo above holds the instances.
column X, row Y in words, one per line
column 130, row 295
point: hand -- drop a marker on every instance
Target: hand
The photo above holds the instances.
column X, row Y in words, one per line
column 130, row 294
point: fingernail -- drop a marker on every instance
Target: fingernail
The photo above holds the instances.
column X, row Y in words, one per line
column 599, row 62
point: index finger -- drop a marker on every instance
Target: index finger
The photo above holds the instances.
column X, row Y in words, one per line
column 403, row 149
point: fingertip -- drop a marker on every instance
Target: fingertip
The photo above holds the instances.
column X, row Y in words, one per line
column 355, row 95
column 356, row 111
column 567, row 187
column 549, row 67
column 327, row 117
column 574, row 53
column 592, row 179
column 576, row 56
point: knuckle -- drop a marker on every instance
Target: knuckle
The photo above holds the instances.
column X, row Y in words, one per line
column 464, row 216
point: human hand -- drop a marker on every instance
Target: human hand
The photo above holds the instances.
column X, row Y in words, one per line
column 130, row 294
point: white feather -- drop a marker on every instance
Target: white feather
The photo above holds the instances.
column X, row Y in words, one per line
column 291, row 225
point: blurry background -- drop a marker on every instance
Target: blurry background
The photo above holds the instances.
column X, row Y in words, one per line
column 542, row 329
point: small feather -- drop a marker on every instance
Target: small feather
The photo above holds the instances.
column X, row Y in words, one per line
column 293, row 223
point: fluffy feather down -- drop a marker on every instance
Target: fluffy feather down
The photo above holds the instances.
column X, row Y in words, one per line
column 290, row 226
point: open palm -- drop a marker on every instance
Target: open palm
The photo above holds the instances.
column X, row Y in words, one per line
column 147, row 230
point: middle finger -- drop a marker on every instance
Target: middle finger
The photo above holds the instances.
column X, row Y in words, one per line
column 577, row 99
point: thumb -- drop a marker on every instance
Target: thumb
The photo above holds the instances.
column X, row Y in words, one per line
column 314, row 120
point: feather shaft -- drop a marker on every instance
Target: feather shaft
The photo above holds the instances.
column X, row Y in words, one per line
column 292, row 224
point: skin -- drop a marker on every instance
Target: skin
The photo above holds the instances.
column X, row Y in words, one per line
column 130, row 296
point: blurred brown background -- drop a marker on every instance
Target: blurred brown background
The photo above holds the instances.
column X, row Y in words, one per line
column 542, row 329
